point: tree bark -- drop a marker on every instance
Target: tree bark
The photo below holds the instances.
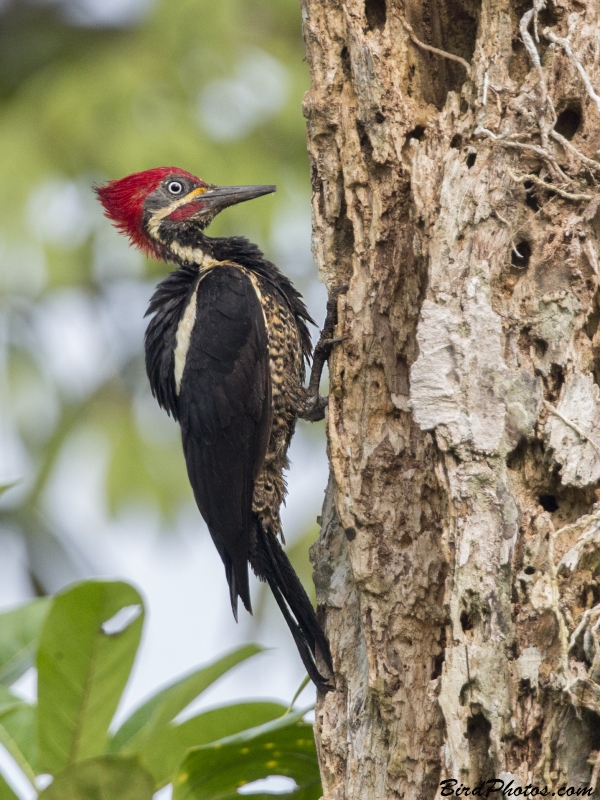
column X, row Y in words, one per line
column 458, row 567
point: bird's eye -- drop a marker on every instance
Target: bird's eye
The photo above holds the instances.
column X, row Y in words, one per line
column 175, row 187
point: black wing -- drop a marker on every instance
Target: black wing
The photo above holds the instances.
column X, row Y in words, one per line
column 225, row 414
column 167, row 306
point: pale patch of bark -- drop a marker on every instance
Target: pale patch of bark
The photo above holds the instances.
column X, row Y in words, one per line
column 458, row 570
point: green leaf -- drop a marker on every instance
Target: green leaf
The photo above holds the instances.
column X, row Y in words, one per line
column 6, row 793
column 18, row 735
column 83, row 666
column 284, row 747
column 162, row 753
column 163, row 707
column 104, row 778
column 19, row 634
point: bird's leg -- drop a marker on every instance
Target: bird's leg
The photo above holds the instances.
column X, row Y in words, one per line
column 315, row 405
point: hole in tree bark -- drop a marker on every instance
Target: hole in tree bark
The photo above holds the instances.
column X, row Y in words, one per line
column 591, row 328
column 344, row 238
column 478, row 735
column 438, row 664
column 516, row 458
column 544, row 488
column 553, row 382
column 438, row 661
column 466, row 692
column 548, row 503
column 590, row 595
column 525, row 688
column 592, row 323
column 529, row 570
column 550, row 16
column 520, row 255
column 418, row 132
column 365, row 142
column 568, row 121
column 530, row 198
column 466, row 621
column 405, row 541
column 376, row 14
column 456, row 141
column 471, row 159
column 345, row 59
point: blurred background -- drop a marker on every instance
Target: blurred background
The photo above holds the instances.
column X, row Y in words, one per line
column 96, row 89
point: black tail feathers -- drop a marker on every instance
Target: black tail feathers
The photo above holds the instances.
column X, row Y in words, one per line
column 237, row 587
column 271, row 564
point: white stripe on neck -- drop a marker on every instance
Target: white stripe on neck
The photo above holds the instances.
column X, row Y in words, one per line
column 193, row 255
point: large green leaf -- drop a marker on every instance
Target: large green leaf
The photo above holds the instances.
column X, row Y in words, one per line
column 104, row 778
column 284, row 747
column 163, row 752
column 19, row 634
column 163, row 707
column 83, row 666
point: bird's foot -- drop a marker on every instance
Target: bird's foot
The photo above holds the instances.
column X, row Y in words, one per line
column 315, row 405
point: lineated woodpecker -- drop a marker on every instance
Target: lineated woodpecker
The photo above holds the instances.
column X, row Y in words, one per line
column 226, row 349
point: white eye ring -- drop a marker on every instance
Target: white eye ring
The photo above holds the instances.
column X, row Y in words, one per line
column 175, row 187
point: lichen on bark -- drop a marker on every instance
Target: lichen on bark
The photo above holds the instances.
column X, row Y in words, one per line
column 458, row 568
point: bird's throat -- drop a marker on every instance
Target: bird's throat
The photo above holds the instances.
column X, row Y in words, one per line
column 189, row 254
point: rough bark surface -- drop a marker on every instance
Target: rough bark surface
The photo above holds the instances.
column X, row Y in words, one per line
column 458, row 568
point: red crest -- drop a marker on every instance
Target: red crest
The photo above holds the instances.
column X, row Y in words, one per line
column 123, row 201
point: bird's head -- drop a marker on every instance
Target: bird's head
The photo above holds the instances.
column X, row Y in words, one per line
column 160, row 206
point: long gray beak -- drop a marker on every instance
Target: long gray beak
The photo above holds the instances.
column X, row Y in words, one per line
column 221, row 197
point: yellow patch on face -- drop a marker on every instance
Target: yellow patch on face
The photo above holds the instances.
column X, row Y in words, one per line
column 194, row 193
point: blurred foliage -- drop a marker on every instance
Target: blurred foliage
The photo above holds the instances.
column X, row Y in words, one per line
column 84, row 642
column 215, row 88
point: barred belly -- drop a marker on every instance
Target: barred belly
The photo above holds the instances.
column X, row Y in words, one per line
column 287, row 376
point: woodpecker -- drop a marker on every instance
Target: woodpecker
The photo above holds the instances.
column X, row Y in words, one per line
column 226, row 351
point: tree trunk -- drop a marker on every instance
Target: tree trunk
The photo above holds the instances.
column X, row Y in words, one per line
column 458, row 568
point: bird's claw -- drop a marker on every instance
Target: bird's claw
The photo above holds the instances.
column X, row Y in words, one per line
column 327, row 344
column 321, row 353
column 314, row 410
